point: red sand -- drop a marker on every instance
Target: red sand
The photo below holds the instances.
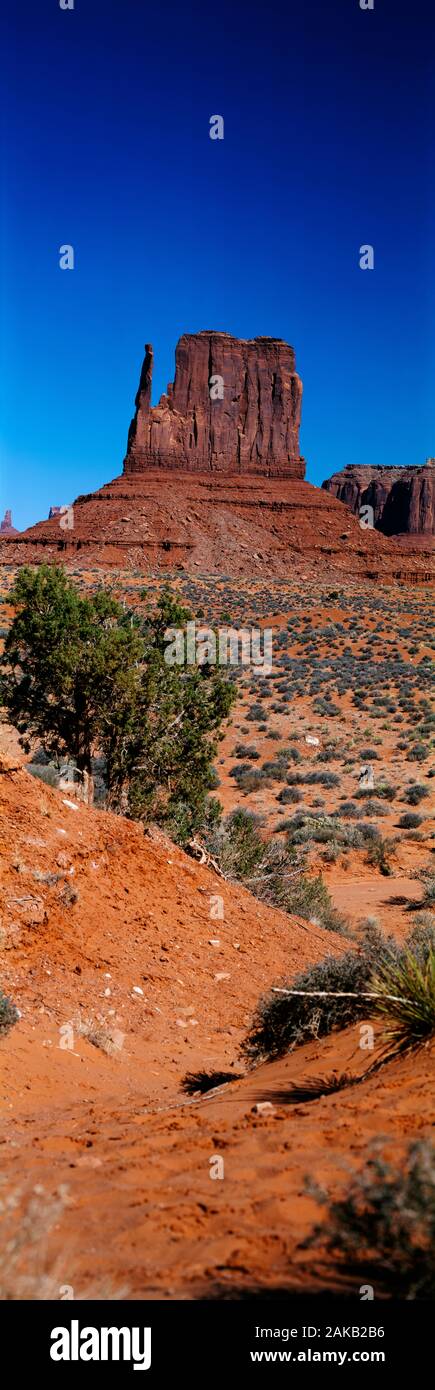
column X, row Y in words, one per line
column 130, row 1156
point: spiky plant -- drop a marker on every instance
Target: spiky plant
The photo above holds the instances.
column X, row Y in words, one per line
column 406, row 1000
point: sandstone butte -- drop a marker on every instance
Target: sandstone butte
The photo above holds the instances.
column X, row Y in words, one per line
column 403, row 499
column 234, row 406
column 214, row 482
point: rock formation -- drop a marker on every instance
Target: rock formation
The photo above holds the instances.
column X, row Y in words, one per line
column 218, row 523
column 56, row 511
column 403, row 499
column 6, row 527
column 192, row 497
column 234, row 407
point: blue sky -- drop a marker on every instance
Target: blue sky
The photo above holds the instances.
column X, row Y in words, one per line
column 329, row 131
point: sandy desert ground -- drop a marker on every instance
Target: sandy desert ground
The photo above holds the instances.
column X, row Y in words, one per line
column 125, row 982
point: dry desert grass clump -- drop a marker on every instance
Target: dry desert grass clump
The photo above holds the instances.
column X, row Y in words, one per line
column 382, row 1230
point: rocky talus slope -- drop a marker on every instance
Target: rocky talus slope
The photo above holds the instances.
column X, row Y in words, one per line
column 217, row 524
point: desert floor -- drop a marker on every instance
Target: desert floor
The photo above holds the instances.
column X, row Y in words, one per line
column 125, row 981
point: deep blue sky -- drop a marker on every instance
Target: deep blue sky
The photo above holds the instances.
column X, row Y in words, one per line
column 329, row 133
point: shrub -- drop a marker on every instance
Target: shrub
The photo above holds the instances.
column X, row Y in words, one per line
column 246, row 750
column 271, row 871
column 275, row 769
column 429, row 892
column 379, row 854
column 415, row 793
column 422, row 937
column 292, row 754
column 237, row 845
column 311, row 779
column 374, row 808
column 369, row 832
column 309, row 898
column 255, row 712
column 419, row 753
column 305, row 829
column 283, row 1021
column 251, row 781
column 8, row 1014
column 383, row 1228
column 384, row 790
column 289, row 796
column 410, row 821
column 239, row 770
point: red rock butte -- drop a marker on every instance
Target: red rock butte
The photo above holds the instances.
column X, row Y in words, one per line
column 6, row 527
column 213, row 483
column 234, row 407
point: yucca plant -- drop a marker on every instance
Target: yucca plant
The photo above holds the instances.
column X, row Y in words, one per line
column 405, row 991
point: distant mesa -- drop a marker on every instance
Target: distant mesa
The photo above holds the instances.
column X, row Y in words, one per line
column 6, row 527
column 403, row 499
column 234, row 407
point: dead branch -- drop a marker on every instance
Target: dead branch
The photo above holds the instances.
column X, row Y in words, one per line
column 339, row 994
column 204, row 857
